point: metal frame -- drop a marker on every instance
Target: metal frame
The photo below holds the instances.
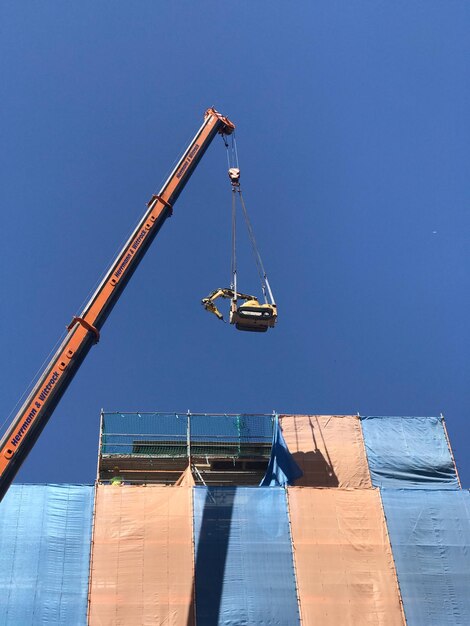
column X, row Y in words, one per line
column 218, row 445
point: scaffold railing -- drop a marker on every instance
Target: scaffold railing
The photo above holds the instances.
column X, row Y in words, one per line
column 179, row 435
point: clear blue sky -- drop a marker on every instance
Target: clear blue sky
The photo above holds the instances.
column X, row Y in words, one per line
column 354, row 140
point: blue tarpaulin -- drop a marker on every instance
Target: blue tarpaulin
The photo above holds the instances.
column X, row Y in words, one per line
column 282, row 468
column 45, row 533
column 430, row 536
column 244, row 566
column 408, row 452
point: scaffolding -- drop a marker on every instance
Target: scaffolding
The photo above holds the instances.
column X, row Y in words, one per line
column 157, row 447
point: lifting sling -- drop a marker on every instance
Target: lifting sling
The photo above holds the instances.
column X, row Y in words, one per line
column 251, row 315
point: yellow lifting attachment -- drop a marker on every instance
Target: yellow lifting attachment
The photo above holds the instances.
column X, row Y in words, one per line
column 251, row 315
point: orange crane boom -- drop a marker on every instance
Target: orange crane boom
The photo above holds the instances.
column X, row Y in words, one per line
column 84, row 331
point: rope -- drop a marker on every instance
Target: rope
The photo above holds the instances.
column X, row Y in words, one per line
column 232, row 161
column 234, row 151
column 256, row 254
column 234, row 243
column 30, row 385
column 224, row 139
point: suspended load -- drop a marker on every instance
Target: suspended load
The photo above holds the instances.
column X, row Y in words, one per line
column 246, row 311
column 250, row 315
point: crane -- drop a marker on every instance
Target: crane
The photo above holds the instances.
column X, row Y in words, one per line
column 84, row 330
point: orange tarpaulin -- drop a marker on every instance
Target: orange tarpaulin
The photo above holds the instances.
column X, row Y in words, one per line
column 328, row 448
column 142, row 557
column 186, row 479
column 344, row 564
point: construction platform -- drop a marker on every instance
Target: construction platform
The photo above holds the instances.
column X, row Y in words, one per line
column 156, row 448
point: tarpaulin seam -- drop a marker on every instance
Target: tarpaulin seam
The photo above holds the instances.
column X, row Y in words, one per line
column 92, row 543
column 193, row 547
column 450, row 449
column 44, row 507
column 364, row 448
column 67, row 510
column 402, row 606
column 399, row 417
column 14, row 550
column 118, row 553
column 405, row 439
column 294, row 563
column 444, row 559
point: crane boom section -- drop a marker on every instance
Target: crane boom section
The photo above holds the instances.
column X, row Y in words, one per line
column 84, row 331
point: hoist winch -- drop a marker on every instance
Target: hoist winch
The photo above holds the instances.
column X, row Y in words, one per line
column 250, row 315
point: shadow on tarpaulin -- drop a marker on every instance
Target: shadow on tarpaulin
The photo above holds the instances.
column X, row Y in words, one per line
column 244, row 569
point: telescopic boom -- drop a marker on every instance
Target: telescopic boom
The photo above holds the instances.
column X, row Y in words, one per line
column 84, row 331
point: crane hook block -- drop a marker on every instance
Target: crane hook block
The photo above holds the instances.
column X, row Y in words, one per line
column 234, row 175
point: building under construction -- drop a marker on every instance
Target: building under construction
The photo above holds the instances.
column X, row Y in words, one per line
column 230, row 520
column 245, row 519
